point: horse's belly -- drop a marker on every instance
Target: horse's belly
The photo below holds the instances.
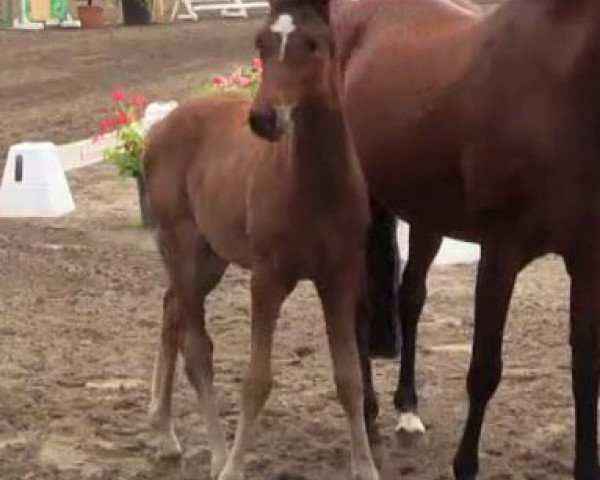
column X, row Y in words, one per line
column 408, row 149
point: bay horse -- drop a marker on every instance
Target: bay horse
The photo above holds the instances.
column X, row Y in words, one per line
column 405, row 55
column 484, row 130
column 289, row 209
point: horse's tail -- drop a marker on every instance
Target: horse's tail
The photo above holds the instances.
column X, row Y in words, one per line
column 383, row 267
column 288, row 476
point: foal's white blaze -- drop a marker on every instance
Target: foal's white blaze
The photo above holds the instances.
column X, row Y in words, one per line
column 284, row 26
column 410, row 423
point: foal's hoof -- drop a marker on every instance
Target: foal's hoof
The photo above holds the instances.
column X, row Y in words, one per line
column 217, row 464
column 410, row 422
column 366, row 473
column 169, row 448
column 230, row 474
column 288, row 476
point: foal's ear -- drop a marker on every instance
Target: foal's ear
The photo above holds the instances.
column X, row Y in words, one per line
column 320, row 6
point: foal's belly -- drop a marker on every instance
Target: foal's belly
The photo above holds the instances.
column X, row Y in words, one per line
column 220, row 199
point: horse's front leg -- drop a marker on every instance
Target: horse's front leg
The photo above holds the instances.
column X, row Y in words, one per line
column 268, row 292
column 585, row 318
column 500, row 263
column 339, row 290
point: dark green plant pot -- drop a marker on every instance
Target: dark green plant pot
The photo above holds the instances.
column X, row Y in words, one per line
column 136, row 12
column 146, row 213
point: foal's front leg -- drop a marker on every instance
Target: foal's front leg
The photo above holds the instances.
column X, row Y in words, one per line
column 268, row 292
column 339, row 292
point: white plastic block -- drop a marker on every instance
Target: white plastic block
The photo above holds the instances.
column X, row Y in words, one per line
column 34, row 183
column 85, row 152
column 156, row 111
column 451, row 252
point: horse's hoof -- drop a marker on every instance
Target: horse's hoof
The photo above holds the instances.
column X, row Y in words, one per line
column 466, row 477
column 373, row 433
column 588, row 472
column 465, row 473
column 409, row 422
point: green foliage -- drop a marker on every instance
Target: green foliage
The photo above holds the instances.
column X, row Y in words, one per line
column 127, row 155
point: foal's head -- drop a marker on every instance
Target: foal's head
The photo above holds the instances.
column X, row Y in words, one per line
column 297, row 55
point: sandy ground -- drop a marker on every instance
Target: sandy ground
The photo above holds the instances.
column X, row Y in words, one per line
column 56, row 85
column 80, row 305
column 80, row 302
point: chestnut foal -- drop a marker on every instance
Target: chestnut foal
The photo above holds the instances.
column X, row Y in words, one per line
column 290, row 209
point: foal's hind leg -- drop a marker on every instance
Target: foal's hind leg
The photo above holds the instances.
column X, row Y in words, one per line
column 423, row 246
column 162, row 380
column 195, row 270
column 198, row 353
column 339, row 293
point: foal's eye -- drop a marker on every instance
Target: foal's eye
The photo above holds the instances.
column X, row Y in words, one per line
column 312, row 45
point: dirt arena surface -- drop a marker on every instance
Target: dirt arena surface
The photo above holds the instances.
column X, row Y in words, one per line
column 56, row 85
column 80, row 307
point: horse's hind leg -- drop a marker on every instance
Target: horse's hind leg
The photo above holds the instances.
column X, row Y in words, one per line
column 163, row 377
column 423, row 246
column 377, row 322
column 585, row 318
column 371, row 404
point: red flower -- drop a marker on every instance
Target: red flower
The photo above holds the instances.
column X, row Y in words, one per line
column 122, row 119
column 139, row 101
column 220, row 81
column 107, row 124
column 242, row 80
column 118, row 96
column 257, row 64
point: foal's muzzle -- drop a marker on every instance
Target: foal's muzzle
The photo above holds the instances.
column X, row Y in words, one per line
column 268, row 122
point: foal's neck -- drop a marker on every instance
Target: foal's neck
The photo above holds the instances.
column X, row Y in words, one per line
column 322, row 153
